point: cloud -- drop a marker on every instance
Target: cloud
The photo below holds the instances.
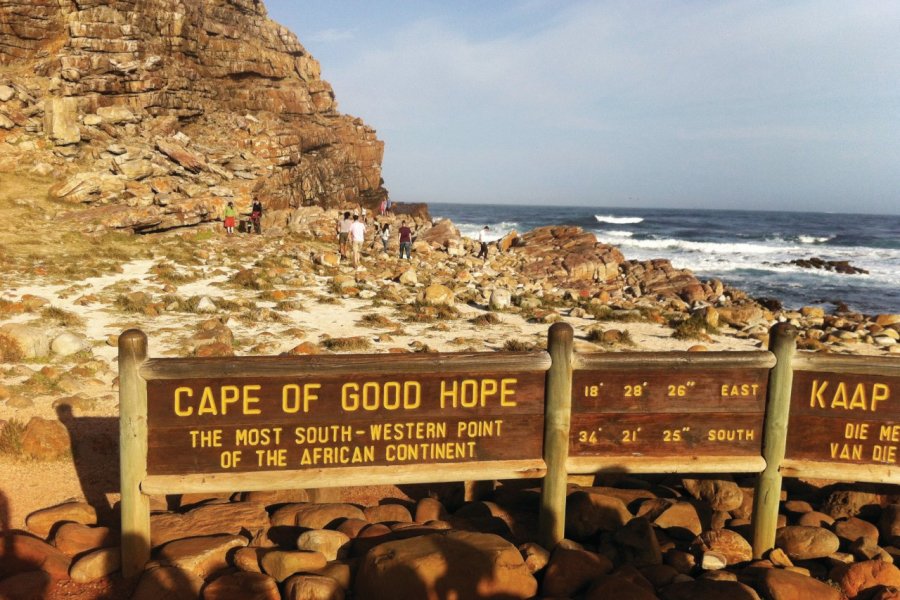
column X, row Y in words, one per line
column 609, row 87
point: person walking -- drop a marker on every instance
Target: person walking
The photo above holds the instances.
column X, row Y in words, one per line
column 385, row 235
column 376, row 233
column 343, row 228
column 256, row 216
column 357, row 237
column 382, row 208
column 405, row 240
column 483, row 240
column 230, row 215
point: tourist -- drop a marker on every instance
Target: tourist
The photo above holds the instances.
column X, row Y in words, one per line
column 483, row 240
column 343, row 228
column 385, row 235
column 388, row 207
column 382, row 208
column 357, row 237
column 256, row 216
column 405, row 240
column 230, row 217
column 376, row 232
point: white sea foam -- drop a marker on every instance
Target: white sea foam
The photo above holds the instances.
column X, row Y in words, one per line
column 618, row 220
column 613, row 234
column 815, row 239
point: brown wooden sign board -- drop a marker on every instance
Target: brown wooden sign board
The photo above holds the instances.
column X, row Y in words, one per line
column 677, row 411
column 844, row 423
column 239, row 424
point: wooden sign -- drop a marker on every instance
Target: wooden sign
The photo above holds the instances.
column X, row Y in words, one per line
column 381, row 418
column 269, row 423
column 844, row 419
column 668, row 412
column 254, row 424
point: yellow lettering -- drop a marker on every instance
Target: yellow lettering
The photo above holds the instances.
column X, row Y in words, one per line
column 183, row 412
column 506, row 392
column 229, row 395
column 815, row 397
column 889, row 433
column 840, row 396
column 880, row 393
column 207, row 403
column 248, row 400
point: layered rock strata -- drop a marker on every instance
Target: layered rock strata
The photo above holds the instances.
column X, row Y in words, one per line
column 154, row 113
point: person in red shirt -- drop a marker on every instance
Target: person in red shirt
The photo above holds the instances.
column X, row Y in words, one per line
column 405, row 240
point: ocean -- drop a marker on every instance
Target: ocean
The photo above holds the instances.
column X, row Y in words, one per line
column 749, row 250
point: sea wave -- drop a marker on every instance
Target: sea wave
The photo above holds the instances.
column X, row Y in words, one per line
column 617, row 234
column 618, row 220
column 815, row 239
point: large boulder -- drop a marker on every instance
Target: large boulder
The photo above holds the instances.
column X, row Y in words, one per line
column 471, row 565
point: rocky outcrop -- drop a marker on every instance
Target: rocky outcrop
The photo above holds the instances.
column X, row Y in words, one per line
column 153, row 114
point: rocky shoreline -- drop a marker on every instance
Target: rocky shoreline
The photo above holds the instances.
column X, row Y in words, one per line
column 202, row 293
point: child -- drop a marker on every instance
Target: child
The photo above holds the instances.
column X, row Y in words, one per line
column 230, row 216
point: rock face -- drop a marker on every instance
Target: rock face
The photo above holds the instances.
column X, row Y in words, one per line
column 165, row 109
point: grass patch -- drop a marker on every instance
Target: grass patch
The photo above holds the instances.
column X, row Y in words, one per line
column 347, row 344
column 485, row 319
column 610, row 337
column 324, row 299
column 424, row 313
column 602, row 312
column 375, row 320
column 11, row 437
column 136, row 302
column 694, row 328
column 514, row 345
column 62, row 317
column 170, row 273
column 10, row 350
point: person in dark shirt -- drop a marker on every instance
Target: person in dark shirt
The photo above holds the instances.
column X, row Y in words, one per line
column 405, row 240
column 256, row 216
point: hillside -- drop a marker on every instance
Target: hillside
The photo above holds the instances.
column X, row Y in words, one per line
column 150, row 115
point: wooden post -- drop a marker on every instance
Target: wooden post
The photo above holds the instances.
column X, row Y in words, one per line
column 135, row 505
column 782, row 343
column 557, row 420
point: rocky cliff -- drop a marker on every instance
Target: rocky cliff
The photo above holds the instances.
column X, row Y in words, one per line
column 153, row 113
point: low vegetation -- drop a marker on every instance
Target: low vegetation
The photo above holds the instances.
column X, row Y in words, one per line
column 347, row 344
column 11, row 437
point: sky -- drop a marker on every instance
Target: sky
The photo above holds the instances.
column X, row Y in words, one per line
column 777, row 105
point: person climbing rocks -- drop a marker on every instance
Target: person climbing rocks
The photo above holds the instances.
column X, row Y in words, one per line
column 357, row 237
column 230, row 215
column 256, row 216
column 483, row 236
column 405, row 240
column 344, row 234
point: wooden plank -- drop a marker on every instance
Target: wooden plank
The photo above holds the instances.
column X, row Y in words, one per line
column 830, row 470
column 783, row 343
column 673, row 464
column 358, row 476
column 346, row 364
column 642, row 361
column 557, row 420
column 838, row 363
column 135, row 506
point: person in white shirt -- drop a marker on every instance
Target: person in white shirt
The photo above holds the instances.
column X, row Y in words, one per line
column 483, row 238
column 357, row 237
